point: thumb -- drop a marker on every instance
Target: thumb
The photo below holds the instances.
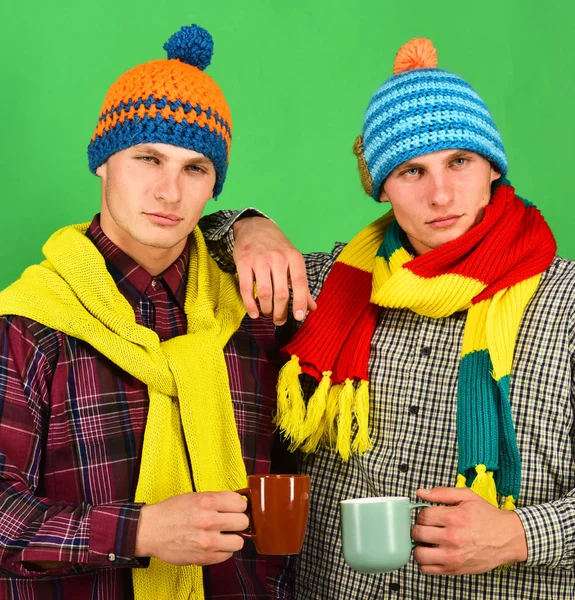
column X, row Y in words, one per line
column 446, row 495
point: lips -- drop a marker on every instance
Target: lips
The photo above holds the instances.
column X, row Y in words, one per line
column 445, row 221
column 164, row 218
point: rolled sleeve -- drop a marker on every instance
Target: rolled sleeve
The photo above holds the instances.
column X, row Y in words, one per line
column 219, row 234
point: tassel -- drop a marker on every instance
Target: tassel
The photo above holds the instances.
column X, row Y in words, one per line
column 316, row 407
column 362, row 443
column 291, row 406
column 461, row 481
column 313, row 441
column 509, row 503
column 484, row 485
column 343, row 444
column 331, row 412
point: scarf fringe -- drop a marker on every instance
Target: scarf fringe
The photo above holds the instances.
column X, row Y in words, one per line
column 291, row 407
column 316, row 407
column 328, row 419
column 343, row 445
column 362, row 442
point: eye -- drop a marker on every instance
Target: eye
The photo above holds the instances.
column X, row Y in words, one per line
column 148, row 159
column 459, row 162
column 195, row 169
column 411, row 172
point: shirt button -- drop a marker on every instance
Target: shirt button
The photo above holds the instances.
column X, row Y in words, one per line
column 154, row 283
column 394, row 587
column 413, row 410
column 404, row 468
column 111, row 557
column 426, row 351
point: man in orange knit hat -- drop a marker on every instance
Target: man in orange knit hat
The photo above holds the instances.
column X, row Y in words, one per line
column 439, row 360
column 116, row 482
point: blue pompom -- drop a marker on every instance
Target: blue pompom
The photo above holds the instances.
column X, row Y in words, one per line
column 192, row 45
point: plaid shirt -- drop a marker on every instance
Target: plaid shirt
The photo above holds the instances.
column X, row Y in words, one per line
column 413, row 373
column 71, row 431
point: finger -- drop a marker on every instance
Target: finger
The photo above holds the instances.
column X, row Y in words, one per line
column 231, row 542
column 447, row 495
column 229, row 522
column 281, row 292
column 223, row 502
column 300, row 290
column 311, row 303
column 213, row 558
column 434, row 570
column 428, row 535
column 435, row 516
column 426, row 556
column 264, row 287
column 246, row 282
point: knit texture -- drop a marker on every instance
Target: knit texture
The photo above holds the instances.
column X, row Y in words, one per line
column 491, row 272
column 168, row 101
column 422, row 109
column 187, row 379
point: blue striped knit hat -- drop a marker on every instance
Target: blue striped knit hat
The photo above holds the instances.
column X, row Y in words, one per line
column 170, row 101
column 422, row 109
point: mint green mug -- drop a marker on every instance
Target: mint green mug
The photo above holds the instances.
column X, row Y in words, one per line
column 376, row 533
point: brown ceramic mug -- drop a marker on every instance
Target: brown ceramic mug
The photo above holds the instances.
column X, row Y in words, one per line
column 278, row 506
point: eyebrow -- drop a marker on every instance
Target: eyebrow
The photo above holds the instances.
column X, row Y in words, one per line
column 196, row 160
column 413, row 164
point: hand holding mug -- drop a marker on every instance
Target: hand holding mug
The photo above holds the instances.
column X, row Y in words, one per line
column 278, row 507
column 376, row 533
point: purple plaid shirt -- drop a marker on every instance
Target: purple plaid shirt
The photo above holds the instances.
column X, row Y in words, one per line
column 71, row 431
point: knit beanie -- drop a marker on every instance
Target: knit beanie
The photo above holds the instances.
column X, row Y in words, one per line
column 168, row 101
column 422, row 109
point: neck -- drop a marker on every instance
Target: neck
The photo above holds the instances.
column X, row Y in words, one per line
column 154, row 260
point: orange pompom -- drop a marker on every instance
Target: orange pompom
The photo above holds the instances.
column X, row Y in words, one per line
column 418, row 53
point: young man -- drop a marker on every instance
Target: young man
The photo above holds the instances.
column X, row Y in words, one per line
column 440, row 356
column 134, row 395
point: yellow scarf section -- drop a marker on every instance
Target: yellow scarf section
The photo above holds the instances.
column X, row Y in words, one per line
column 187, row 379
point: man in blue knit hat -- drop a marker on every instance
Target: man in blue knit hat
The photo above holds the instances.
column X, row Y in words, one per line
column 439, row 361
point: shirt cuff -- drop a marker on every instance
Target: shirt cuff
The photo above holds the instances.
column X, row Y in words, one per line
column 543, row 527
column 219, row 234
column 113, row 529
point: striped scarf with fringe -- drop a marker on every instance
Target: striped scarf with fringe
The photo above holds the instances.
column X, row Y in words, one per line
column 492, row 271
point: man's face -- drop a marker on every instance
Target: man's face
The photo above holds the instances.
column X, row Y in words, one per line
column 154, row 195
column 438, row 197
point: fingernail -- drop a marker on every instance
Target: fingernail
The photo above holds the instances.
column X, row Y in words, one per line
column 299, row 315
column 254, row 315
column 424, row 491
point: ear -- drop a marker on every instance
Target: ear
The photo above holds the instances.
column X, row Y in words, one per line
column 383, row 197
column 495, row 174
column 102, row 170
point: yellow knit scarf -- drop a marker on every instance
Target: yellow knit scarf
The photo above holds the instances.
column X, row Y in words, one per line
column 187, row 379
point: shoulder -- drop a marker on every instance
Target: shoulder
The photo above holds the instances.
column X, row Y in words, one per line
column 558, row 281
column 26, row 340
column 319, row 264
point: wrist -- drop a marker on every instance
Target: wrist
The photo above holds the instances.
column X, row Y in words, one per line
column 245, row 220
column 143, row 538
column 515, row 550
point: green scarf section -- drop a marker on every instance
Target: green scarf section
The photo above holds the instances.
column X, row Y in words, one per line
column 190, row 410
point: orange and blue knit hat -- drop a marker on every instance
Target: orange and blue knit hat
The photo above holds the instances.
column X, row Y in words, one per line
column 168, row 101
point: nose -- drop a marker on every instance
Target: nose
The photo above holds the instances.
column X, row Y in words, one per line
column 168, row 186
column 441, row 192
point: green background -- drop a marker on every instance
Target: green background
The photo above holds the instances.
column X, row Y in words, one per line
column 298, row 76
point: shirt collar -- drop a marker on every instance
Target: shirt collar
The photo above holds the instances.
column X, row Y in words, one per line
column 131, row 278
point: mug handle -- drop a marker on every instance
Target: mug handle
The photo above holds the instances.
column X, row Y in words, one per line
column 411, row 507
column 248, row 533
